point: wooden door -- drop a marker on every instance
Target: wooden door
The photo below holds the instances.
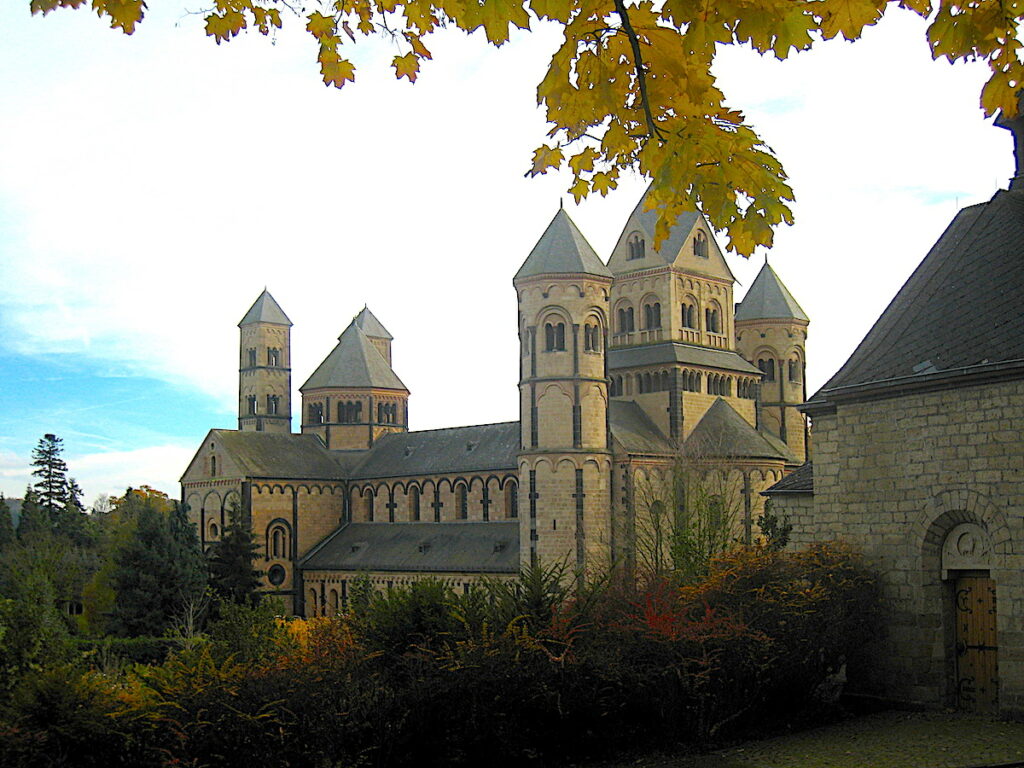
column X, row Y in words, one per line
column 977, row 669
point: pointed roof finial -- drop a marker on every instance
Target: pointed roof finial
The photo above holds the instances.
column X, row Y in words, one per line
column 561, row 203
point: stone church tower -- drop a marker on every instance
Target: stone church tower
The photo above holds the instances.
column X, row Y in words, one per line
column 565, row 458
column 264, row 368
column 355, row 398
column 771, row 332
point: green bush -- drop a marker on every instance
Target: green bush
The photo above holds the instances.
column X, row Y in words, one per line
column 110, row 652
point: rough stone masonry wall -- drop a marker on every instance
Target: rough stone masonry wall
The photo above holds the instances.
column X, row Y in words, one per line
column 893, row 477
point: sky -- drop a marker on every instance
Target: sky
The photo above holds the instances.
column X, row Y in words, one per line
column 151, row 186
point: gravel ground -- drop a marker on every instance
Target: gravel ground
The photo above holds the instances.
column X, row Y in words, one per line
column 881, row 740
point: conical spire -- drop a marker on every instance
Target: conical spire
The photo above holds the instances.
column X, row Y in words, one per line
column 354, row 362
column 769, row 299
column 562, row 249
column 370, row 325
column 265, row 310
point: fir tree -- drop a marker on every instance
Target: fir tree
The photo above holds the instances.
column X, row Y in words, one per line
column 156, row 571
column 51, row 470
column 34, row 523
column 7, row 536
column 232, row 575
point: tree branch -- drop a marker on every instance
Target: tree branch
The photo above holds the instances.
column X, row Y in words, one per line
column 638, row 65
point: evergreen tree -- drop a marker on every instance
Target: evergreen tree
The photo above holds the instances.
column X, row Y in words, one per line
column 232, row 575
column 34, row 523
column 51, row 470
column 7, row 536
column 156, row 571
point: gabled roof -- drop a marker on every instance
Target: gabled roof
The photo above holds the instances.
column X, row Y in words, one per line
column 634, row 430
column 354, row 362
column 457, row 547
column 801, row 480
column 769, row 299
column 265, row 310
column 958, row 314
column 434, row 451
column 371, row 325
column 672, row 250
column 674, row 352
column 276, row 455
column 562, row 249
column 723, row 433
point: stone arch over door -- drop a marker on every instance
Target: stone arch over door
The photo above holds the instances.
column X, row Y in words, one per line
column 962, row 542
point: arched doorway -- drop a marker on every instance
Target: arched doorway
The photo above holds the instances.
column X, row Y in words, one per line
column 966, row 562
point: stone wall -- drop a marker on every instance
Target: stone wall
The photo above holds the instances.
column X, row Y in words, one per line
column 893, row 477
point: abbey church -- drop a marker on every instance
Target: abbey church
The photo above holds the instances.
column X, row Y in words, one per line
column 627, row 368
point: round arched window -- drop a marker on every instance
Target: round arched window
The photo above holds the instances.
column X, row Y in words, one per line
column 276, row 575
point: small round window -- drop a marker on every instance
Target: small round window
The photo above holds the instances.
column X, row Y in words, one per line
column 276, row 575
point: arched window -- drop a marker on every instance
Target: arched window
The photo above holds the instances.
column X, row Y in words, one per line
column 652, row 315
column 414, row 503
column 273, row 404
column 273, row 357
column 700, row 245
column 625, row 315
column 645, row 385
column 333, row 602
column 591, row 338
column 688, row 316
column 767, row 366
column 250, row 402
column 712, row 322
column 277, row 548
column 368, row 502
column 554, row 337
column 636, row 246
column 664, row 381
column 316, row 413
column 461, row 501
column 512, row 500
column 213, row 466
column 214, row 530
column 252, row 357
column 794, row 369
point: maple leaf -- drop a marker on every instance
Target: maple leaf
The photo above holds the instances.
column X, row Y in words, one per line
column 545, row 157
column 579, row 190
column 336, row 70
column 319, row 25
column 406, row 66
column 583, row 162
column 123, row 14
column 604, row 182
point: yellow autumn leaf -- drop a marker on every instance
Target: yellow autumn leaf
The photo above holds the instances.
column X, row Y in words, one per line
column 406, row 66
column 579, row 190
column 337, row 71
column 319, row 25
column 604, row 182
column 545, row 157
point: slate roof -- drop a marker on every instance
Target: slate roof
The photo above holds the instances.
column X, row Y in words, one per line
column 769, row 299
column 265, row 310
column 371, row 325
column 464, row 547
column 634, row 430
column 723, row 433
column 354, row 362
column 452, row 450
column 562, row 249
column 801, row 480
column 960, row 309
column 674, row 352
column 274, row 455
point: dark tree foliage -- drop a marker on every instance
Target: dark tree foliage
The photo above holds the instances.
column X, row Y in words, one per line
column 34, row 521
column 232, row 575
column 157, row 570
column 50, row 468
column 7, row 536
